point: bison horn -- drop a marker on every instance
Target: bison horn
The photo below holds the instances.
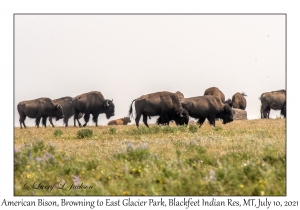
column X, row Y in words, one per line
column 107, row 103
column 181, row 113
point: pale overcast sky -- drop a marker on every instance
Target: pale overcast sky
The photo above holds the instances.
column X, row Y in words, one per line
column 126, row 56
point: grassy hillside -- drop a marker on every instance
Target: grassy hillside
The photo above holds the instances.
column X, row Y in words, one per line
column 239, row 158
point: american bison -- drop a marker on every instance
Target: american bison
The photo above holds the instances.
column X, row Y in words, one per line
column 39, row 108
column 160, row 103
column 208, row 106
column 172, row 116
column 121, row 121
column 68, row 109
column 239, row 101
column 272, row 100
column 92, row 103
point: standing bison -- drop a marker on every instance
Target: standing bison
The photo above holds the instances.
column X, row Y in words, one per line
column 214, row 91
column 92, row 103
column 122, row 121
column 68, row 110
column 172, row 116
column 239, row 101
column 272, row 100
column 208, row 106
column 162, row 104
column 39, row 108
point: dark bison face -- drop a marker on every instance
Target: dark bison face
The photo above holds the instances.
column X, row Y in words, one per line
column 227, row 114
column 58, row 112
column 109, row 108
column 182, row 118
column 126, row 120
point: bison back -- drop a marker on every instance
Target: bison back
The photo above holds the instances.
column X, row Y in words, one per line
column 202, row 106
column 239, row 101
column 274, row 100
column 88, row 101
column 214, row 91
column 31, row 108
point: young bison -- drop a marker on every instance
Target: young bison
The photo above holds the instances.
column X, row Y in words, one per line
column 122, row 121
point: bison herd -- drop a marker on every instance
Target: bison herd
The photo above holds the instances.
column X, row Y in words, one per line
column 168, row 106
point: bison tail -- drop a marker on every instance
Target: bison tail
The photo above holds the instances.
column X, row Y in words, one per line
column 130, row 110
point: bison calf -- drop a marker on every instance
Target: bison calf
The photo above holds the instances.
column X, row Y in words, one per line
column 121, row 121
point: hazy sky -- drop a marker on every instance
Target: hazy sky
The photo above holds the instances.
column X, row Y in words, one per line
column 126, row 56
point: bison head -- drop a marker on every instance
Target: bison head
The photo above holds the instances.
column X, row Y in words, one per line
column 226, row 114
column 182, row 118
column 58, row 112
column 109, row 108
column 126, row 120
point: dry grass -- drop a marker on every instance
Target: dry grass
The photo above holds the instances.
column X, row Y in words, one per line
column 236, row 143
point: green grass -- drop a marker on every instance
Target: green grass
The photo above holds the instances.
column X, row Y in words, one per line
column 240, row 158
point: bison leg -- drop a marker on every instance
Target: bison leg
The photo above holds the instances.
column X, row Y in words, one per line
column 76, row 117
column 201, row 121
column 166, row 119
column 50, row 120
column 37, row 121
column 86, row 118
column 212, row 120
column 22, row 120
column 145, row 120
column 137, row 119
column 66, row 121
column 266, row 113
column 95, row 119
column 44, row 120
